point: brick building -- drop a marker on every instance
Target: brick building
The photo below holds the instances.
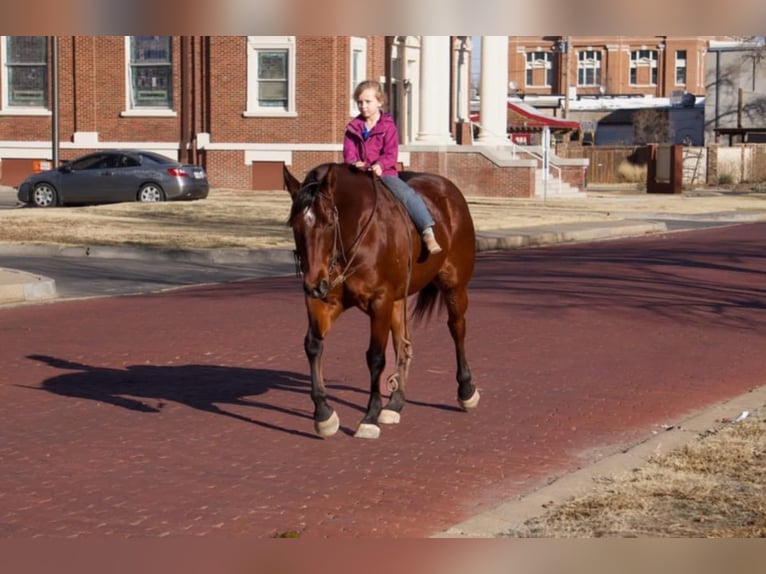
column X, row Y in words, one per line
column 608, row 65
column 243, row 106
column 209, row 99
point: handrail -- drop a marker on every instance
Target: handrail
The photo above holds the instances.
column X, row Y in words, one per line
column 515, row 147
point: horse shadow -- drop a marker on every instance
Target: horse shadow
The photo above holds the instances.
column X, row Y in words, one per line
column 208, row 388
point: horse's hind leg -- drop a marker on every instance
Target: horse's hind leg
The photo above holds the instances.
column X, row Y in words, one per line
column 397, row 382
column 457, row 304
column 380, row 323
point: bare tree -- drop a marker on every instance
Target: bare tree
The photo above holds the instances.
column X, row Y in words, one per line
column 651, row 126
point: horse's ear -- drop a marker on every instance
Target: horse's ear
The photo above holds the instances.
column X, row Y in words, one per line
column 330, row 178
column 291, row 184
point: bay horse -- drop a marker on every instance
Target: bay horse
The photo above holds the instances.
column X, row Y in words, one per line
column 356, row 246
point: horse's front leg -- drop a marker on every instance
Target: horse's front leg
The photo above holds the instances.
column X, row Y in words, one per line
column 391, row 413
column 321, row 317
column 380, row 323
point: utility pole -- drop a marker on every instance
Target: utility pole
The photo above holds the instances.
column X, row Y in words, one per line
column 566, row 77
column 55, row 101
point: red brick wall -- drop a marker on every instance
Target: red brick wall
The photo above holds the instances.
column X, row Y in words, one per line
column 473, row 173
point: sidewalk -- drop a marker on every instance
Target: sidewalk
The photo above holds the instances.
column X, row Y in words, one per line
column 602, row 213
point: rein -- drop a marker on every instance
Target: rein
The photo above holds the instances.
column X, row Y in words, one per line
column 353, row 250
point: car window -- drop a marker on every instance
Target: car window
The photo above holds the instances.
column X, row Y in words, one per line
column 155, row 158
column 127, row 161
column 110, row 161
column 95, row 161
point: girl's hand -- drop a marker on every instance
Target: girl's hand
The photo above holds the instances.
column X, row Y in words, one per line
column 360, row 165
column 376, row 169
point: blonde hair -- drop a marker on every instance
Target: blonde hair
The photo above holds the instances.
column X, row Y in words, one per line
column 370, row 85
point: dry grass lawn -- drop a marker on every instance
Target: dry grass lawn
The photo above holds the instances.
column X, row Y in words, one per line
column 712, row 487
column 227, row 219
column 257, row 219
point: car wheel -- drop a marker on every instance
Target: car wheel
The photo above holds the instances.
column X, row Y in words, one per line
column 151, row 192
column 44, row 195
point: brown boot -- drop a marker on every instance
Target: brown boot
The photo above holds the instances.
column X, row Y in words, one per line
column 431, row 244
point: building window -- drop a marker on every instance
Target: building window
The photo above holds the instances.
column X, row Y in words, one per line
column 358, row 68
column 270, row 75
column 589, row 68
column 680, row 67
column 151, row 72
column 643, row 67
column 25, row 72
column 539, row 69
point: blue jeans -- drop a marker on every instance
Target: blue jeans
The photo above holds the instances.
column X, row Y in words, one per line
column 411, row 201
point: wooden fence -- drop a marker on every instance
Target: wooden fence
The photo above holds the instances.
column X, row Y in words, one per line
column 711, row 165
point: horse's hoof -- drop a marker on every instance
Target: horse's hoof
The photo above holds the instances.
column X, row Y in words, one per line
column 328, row 427
column 367, row 430
column 471, row 403
column 389, row 417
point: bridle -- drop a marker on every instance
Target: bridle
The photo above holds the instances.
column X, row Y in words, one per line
column 341, row 258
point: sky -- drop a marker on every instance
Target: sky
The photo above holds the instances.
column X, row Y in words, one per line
column 476, row 58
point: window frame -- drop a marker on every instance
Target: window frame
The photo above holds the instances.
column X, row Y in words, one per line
column 539, row 60
column 643, row 59
column 589, row 62
column 681, row 65
column 357, row 68
column 256, row 45
column 6, row 107
column 131, row 109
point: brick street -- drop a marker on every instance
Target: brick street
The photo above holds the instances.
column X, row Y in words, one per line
column 187, row 412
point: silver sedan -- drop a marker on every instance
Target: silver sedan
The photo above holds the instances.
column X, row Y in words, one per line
column 115, row 176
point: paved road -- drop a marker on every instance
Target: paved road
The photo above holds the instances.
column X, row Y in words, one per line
column 187, row 412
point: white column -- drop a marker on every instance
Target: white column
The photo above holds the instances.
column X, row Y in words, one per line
column 493, row 91
column 434, row 91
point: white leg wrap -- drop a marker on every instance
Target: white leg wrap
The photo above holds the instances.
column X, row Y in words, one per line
column 367, row 430
column 389, row 417
column 471, row 403
column 328, row 427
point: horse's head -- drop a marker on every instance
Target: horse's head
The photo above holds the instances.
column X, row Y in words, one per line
column 314, row 221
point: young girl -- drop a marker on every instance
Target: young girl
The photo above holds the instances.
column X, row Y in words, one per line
column 371, row 143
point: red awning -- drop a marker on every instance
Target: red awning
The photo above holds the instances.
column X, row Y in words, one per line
column 532, row 120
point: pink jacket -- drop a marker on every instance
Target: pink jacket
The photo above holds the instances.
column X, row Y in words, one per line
column 381, row 146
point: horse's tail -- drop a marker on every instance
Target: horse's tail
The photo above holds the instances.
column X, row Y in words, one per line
column 428, row 299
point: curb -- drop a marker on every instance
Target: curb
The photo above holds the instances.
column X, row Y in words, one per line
column 19, row 286
column 565, row 233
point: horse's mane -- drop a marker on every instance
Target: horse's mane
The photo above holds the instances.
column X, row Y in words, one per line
column 306, row 195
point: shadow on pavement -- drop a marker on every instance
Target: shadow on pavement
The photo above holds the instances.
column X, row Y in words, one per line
column 147, row 388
